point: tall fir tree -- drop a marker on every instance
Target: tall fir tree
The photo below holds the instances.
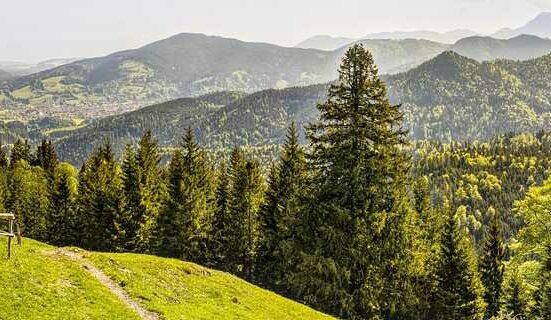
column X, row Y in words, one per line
column 4, row 162
column 492, row 265
column 244, row 200
column 62, row 212
column 220, row 222
column 278, row 214
column 514, row 303
column 132, row 196
column 21, row 151
column 183, row 224
column 355, row 234
column 152, row 189
column 458, row 290
column 100, row 202
column 46, row 157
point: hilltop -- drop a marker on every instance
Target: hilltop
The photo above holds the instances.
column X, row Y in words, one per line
column 521, row 47
column 41, row 281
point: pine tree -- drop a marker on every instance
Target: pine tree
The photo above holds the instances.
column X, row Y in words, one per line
column 355, row 239
column 278, row 213
column 152, row 189
column 21, row 151
column 4, row 162
column 100, row 203
column 183, row 224
column 514, row 302
column 492, row 266
column 220, row 223
column 132, row 197
column 62, row 212
column 457, row 286
column 244, row 200
column 46, row 157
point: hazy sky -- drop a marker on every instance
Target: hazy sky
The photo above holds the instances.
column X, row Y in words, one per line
column 32, row 30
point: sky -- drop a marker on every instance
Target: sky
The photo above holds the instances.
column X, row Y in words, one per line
column 35, row 30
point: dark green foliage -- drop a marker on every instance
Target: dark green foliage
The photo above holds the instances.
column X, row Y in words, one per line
column 29, row 199
column 21, row 151
column 220, row 223
column 144, row 191
column 492, row 265
column 4, row 162
column 457, row 286
column 514, row 303
column 356, row 250
column 245, row 191
column 182, row 225
column 278, row 215
column 46, row 157
column 62, row 220
column 101, row 200
column 453, row 98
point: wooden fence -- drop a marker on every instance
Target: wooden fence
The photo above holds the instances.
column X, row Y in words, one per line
column 13, row 230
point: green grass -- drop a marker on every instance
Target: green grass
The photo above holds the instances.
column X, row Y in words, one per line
column 40, row 283
column 37, row 283
column 181, row 290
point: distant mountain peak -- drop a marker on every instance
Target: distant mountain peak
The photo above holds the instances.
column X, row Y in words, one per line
column 539, row 26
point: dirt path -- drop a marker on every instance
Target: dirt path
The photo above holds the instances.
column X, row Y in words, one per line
column 111, row 285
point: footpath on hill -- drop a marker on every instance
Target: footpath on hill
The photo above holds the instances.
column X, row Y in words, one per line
column 109, row 284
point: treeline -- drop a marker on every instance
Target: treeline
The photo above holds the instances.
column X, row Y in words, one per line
column 341, row 225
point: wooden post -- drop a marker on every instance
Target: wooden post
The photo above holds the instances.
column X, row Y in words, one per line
column 18, row 232
column 10, row 237
column 10, row 233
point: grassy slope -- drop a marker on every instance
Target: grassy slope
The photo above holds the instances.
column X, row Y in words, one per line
column 38, row 283
column 180, row 290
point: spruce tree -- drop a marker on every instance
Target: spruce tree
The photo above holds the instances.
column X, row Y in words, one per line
column 4, row 162
column 46, row 157
column 278, row 214
column 514, row 303
column 183, row 224
column 101, row 209
column 457, row 286
column 244, row 200
column 492, row 266
column 355, row 241
column 152, row 189
column 132, row 196
column 220, row 223
column 21, row 151
column 62, row 212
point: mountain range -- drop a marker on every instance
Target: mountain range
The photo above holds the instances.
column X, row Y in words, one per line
column 325, row 42
column 448, row 98
column 5, row 75
column 539, row 26
column 190, row 65
column 18, row 69
column 196, row 64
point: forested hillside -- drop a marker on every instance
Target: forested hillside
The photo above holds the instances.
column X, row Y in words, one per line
column 359, row 222
column 188, row 65
column 455, row 98
column 450, row 98
column 522, row 47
